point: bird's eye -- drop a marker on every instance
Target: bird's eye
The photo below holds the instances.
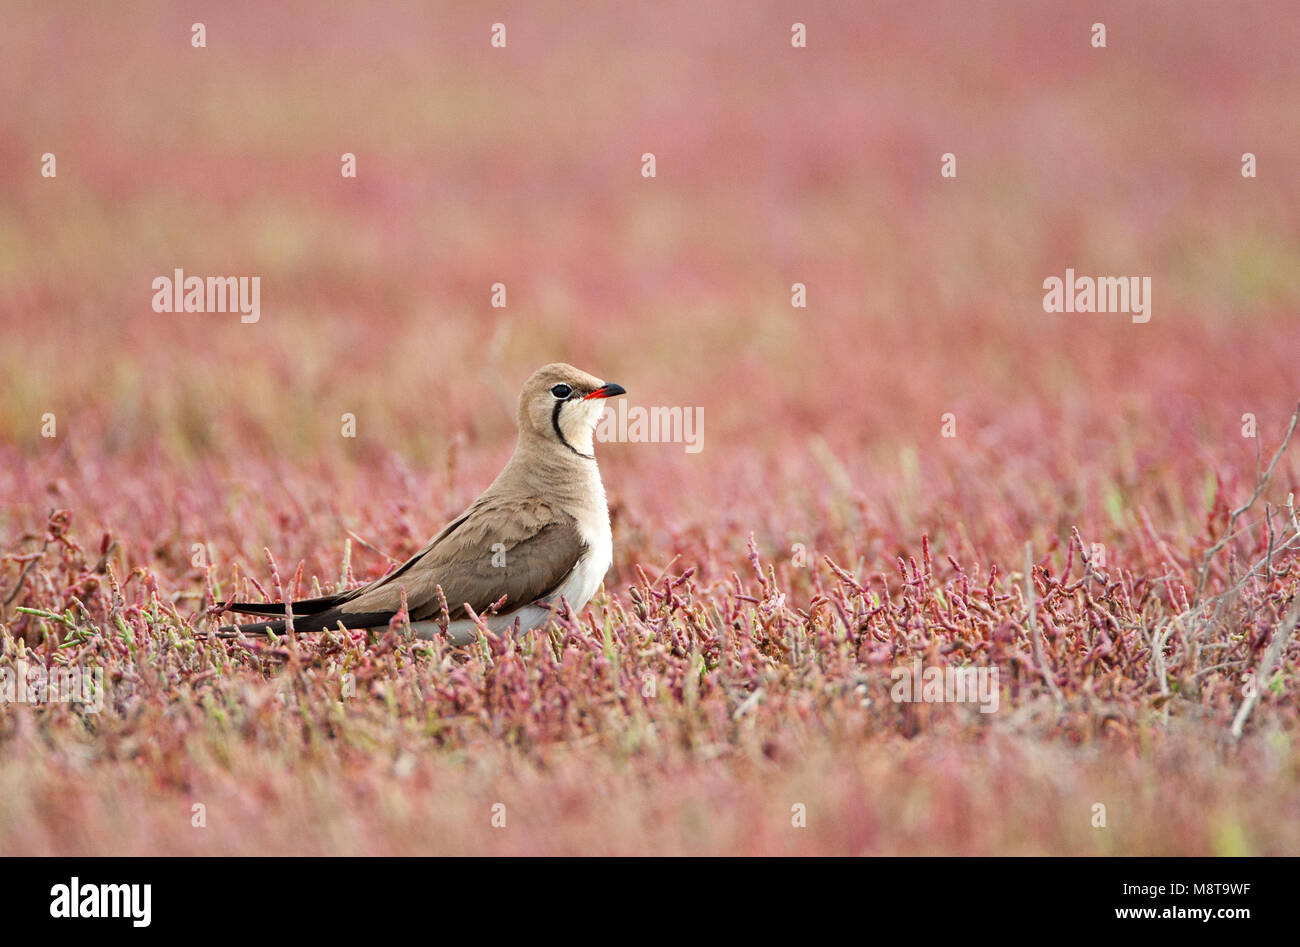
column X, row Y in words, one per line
column 561, row 391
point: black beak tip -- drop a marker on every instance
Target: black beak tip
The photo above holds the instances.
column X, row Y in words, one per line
column 608, row 390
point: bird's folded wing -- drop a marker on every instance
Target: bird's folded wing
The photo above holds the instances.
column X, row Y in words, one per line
column 523, row 551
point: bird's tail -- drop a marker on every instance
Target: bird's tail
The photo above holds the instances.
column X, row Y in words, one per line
column 330, row 618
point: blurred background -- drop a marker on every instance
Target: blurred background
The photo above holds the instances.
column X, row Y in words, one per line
column 775, row 165
column 822, row 436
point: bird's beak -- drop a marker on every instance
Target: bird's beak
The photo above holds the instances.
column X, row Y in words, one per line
column 608, row 390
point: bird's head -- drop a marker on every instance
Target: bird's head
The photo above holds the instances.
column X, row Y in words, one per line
column 562, row 404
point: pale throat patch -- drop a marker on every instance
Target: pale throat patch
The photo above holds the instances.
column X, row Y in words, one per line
column 578, row 422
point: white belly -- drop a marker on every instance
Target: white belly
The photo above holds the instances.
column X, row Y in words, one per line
column 590, row 569
column 578, row 588
column 462, row 631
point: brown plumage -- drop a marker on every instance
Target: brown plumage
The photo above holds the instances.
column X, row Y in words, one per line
column 539, row 532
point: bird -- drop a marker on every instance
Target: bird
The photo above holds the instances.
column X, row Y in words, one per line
column 538, row 536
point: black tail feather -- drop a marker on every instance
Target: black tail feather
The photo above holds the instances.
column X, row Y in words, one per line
column 310, row 606
column 317, row 622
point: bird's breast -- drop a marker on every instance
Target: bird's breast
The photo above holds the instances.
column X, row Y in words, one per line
column 589, row 571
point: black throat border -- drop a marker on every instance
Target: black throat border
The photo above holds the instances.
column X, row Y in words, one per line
column 555, row 423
